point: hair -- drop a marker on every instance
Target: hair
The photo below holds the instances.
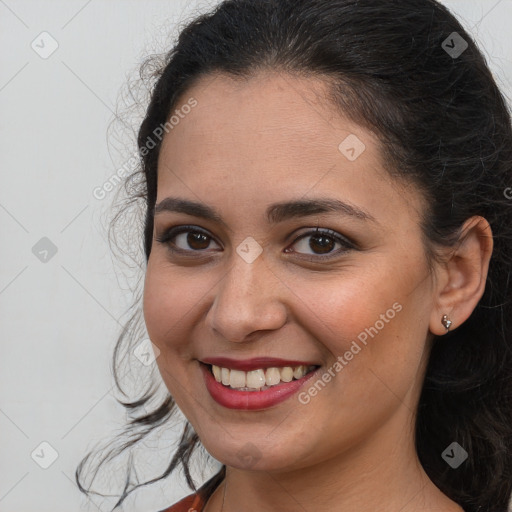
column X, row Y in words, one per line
column 444, row 126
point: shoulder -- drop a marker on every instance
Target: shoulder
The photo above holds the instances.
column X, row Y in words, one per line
column 192, row 503
column 195, row 502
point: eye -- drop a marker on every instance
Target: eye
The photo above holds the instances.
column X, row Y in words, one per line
column 322, row 243
column 183, row 239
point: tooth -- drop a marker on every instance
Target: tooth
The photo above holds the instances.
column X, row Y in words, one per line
column 272, row 376
column 258, row 379
column 286, row 374
column 225, row 376
column 299, row 372
column 255, row 379
column 216, row 373
column 237, row 379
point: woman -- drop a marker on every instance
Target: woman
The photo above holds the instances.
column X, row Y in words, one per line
column 328, row 236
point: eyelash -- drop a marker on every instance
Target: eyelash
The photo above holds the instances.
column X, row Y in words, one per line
column 166, row 237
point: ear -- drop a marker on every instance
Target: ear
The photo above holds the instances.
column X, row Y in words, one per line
column 462, row 276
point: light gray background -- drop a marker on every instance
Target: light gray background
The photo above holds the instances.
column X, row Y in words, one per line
column 60, row 318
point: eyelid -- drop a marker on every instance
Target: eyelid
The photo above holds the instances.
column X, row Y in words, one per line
column 329, row 232
column 346, row 243
column 174, row 231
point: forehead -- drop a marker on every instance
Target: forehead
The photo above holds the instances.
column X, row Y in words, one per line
column 282, row 111
column 269, row 136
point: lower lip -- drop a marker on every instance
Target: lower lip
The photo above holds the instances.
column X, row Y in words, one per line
column 251, row 400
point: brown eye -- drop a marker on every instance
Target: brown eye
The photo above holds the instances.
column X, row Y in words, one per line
column 186, row 239
column 196, row 241
column 325, row 244
column 321, row 243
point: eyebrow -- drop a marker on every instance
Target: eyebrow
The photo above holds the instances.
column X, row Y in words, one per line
column 275, row 213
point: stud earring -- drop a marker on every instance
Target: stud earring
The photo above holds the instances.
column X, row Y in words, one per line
column 446, row 322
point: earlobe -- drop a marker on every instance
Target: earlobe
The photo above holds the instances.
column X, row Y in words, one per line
column 464, row 277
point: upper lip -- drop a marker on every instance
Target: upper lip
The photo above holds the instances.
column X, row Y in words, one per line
column 254, row 363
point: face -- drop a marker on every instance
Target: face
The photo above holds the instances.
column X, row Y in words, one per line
column 341, row 285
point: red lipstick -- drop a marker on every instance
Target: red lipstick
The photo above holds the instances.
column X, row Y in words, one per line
column 252, row 400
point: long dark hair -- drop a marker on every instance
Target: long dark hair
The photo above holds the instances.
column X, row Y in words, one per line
column 396, row 67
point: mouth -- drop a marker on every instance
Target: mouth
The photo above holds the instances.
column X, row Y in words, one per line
column 256, row 389
column 259, row 379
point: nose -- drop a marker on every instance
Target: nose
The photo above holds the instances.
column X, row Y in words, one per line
column 249, row 298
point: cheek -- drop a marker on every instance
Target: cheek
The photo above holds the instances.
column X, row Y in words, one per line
column 168, row 298
column 373, row 323
column 376, row 319
column 169, row 302
column 341, row 306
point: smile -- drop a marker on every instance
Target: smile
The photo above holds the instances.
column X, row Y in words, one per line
column 259, row 379
column 257, row 388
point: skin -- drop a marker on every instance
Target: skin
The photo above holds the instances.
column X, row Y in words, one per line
column 273, row 138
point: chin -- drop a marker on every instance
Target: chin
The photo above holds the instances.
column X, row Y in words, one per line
column 255, row 456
